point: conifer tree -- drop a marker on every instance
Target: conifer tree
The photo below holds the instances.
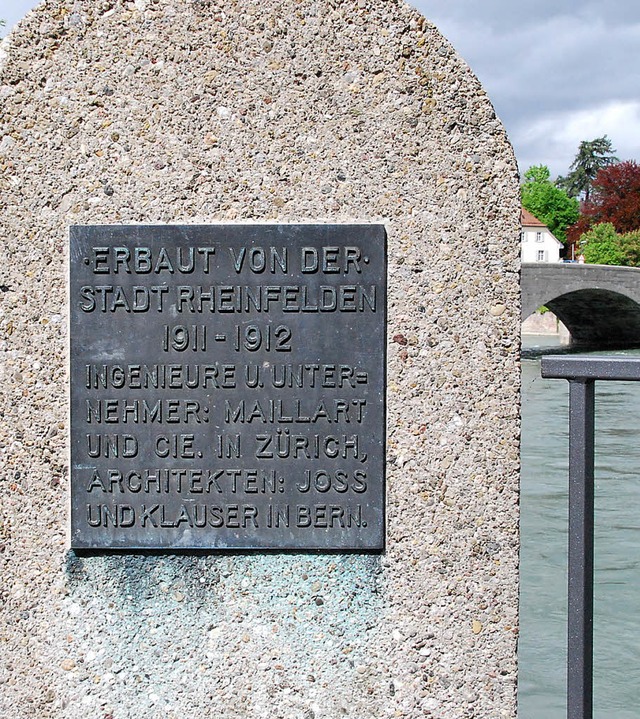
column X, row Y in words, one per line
column 593, row 156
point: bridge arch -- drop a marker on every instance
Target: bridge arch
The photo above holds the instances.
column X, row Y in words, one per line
column 600, row 305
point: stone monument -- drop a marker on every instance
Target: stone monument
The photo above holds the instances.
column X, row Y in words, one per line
column 343, row 129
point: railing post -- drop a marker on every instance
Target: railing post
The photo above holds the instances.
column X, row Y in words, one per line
column 581, row 521
column 582, row 373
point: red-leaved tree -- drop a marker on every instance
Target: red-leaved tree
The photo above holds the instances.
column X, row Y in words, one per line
column 615, row 198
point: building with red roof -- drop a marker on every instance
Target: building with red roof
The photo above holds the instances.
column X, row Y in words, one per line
column 538, row 243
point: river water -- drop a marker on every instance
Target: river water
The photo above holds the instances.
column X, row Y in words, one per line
column 542, row 647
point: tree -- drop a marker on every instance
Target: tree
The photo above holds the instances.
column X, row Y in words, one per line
column 593, row 156
column 630, row 243
column 616, row 197
column 547, row 202
column 601, row 245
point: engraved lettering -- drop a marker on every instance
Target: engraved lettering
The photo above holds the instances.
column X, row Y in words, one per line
column 260, row 259
column 175, row 446
column 111, row 298
column 142, row 411
column 245, row 299
column 227, row 386
column 326, row 516
column 293, row 411
column 147, row 260
column 285, row 445
column 112, row 445
column 160, row 376
column 338, row 481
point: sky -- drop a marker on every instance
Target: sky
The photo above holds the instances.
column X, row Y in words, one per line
column 557, row 71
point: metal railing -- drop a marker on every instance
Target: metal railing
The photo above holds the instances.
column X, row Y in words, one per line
column 582, row 373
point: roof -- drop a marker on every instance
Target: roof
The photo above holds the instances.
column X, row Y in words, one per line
column 528, row 220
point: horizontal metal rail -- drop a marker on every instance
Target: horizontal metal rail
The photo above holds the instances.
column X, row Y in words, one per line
column 585, row 367
column 582, row 373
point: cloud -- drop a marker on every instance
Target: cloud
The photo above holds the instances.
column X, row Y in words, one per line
column 552, row 62
column 557, row 72
column 560, row 134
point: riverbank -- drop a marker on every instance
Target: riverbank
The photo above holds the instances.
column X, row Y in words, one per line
column 546, row 323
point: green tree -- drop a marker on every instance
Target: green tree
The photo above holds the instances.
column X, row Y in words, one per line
column 547, row 202
column 602, row 245
column 630, row 244
column 593, row 155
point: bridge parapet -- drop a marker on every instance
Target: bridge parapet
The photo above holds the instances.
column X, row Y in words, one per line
column 599, row 304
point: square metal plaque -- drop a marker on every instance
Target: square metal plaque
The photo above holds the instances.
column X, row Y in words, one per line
column 228, row 386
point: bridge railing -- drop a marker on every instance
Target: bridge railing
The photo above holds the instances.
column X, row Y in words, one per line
column 582, row 374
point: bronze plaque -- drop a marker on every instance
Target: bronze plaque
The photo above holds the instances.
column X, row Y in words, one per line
column 228, row 387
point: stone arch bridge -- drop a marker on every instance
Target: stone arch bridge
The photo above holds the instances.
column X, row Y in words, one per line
column 599, row 304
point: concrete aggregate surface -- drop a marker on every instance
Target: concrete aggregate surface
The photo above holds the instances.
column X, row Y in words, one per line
column 196, row 111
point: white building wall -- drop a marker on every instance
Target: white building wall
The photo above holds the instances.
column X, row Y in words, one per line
column 539, row 245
